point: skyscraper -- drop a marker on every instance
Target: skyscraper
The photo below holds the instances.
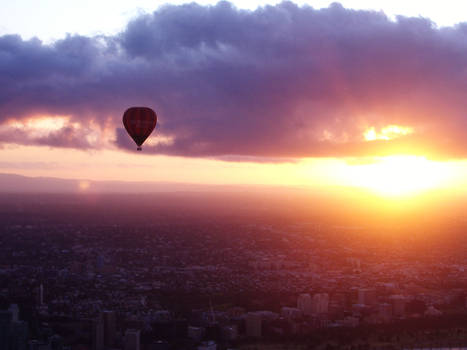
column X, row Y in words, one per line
column 98, row 333
column 13, row 332
column 110, row 328
column 320, row 303
column 253, row 325
column 385, row 312
column 39, row 293
column 14, row 309
column 398, row 305
column 132, row 339
column 5, row 328
column 304, row 304
column 367, row 296
column 208, row 345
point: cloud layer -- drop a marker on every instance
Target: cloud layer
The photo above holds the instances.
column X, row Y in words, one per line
column 280, row 82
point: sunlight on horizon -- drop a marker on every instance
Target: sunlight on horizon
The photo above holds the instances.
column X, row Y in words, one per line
column 84, row 185
column 400, row 175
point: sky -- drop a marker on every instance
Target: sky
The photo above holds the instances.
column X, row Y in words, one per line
column 358, row 93
column 53, row 19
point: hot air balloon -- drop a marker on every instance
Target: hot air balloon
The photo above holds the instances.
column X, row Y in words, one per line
column 139, row 122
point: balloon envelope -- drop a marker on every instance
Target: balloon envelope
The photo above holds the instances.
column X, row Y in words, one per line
column 139, row 122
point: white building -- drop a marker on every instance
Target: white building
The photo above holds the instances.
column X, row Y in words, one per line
column 320, row 303
column 304, row 304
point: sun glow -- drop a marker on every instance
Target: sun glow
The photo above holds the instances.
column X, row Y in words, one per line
column 84, row 185
column 39, row 126
column 387, row 133
column 400, row 175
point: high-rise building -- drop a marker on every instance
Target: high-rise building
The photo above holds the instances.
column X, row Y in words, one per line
column 110, row 328
column 100, row 262
column 132, row 339
column 207, row 345
column 13, row 332
column 56, row 342
column 38, row 345
column 40, row 295
column 5, row 328
column 398, row 305
column 230, row 332
column 19, row 335
column 160, row 345
column 14, row 309
column 320, row 303
column 367, row 296
column 385, row 312
column 195, row 333
column 98, row 333
column 304, row 304
column 432, row 311
column 253, row 324
column 355, row 263
column 290, row 312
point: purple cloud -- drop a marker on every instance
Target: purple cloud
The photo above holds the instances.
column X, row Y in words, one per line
column 279, row 82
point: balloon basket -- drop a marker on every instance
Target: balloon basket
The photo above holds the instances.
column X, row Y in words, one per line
column 139, row 149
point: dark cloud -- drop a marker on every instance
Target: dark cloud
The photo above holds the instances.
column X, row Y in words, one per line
column 280, row 82
column 66, row 137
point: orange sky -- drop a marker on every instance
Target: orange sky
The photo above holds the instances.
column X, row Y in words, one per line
column 395, row 175
column 386, row 176
column 340, row 97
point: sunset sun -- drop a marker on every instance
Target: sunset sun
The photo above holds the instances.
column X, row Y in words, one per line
column 400, row 175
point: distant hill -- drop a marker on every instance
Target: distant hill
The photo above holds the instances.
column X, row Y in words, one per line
column 17, row 183
column 12, row 183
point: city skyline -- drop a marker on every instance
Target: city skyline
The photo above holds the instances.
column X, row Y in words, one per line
column 246, row 175
column 178, row 271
